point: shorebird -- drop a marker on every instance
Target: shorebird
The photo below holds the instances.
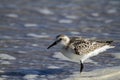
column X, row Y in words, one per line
column 79, row 49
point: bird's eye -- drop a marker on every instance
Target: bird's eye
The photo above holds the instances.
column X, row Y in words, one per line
column 60, row 38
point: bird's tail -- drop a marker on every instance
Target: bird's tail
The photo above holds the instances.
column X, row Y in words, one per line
column 110, row 42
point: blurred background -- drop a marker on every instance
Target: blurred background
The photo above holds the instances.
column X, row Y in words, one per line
column 27, row 27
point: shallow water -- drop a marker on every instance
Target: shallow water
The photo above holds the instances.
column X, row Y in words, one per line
column 27, row 27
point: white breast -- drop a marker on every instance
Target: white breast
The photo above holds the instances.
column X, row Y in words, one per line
column 71, row 55
column 76, row 58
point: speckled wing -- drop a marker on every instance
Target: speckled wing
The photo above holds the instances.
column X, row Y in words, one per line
column 84, row 46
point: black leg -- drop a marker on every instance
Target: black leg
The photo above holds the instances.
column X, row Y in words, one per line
column 81, row 66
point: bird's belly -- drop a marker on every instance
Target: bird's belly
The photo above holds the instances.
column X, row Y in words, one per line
column 76, row 58
column 71, row 55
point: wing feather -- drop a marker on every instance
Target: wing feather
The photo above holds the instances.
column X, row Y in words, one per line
column 84, row 46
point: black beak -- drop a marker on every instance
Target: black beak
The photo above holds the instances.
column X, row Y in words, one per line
column 54, row 43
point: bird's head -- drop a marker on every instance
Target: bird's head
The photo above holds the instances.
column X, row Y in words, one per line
column 62, row 39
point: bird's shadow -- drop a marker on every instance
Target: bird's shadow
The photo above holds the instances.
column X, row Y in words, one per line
column 23, row 72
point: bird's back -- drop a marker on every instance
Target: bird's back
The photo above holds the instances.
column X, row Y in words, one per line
column 85, row 46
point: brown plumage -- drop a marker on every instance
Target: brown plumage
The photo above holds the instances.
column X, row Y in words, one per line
column 85, row 46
